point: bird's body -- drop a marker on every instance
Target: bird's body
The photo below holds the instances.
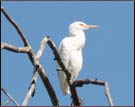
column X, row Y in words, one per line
column 70, row 51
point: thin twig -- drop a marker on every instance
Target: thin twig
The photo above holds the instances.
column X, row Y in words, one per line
column 10, row 47
column 8, row 100
column 42, row 47
column 9, row 96
column 107, row 90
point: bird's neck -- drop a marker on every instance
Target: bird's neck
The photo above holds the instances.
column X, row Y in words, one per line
column 78, row 36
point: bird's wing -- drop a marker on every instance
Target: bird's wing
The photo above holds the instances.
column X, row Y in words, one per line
column 64, row 52
column 64, row 55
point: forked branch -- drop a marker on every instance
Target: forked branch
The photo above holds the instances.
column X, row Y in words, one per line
column 80, row 83
column 10, row 98
column 38, row 68
column 33, row 59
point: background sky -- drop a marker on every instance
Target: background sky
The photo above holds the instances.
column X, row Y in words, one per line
column 108, row 53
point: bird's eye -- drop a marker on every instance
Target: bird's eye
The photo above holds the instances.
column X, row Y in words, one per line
column 81, row 24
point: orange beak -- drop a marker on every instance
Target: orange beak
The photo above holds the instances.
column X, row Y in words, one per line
column 91, row 26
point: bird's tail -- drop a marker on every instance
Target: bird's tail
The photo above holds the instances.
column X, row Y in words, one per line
column 63, row 82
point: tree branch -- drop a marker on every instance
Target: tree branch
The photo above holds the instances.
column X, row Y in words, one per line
column 9, row 96
column 80, row 83
column 38, row 67
column 25, row 41
column 10, row 47
column 107, row 90
column 42, row 47
column 31, row 90
column 48, row 86
column 46, row 83
column 19, row 31
column 43, row 76
column 34, row 61
column 8, row 100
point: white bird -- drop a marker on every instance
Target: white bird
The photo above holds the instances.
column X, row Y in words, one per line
column 70, row 51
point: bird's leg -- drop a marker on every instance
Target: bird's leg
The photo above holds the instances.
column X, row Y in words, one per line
column 74, row 83
column 71, row 81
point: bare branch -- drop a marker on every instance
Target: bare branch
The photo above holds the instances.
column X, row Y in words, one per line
column 42, row 47
column 107, row 90
column 25, row 41
column 46, row 83
column 48, row 86
column 32, row 86
column 9, row 96
column 80, row 83
column 16, row 27
column 8, row 100
column 38, row 67
column 34, row 61
column 10, row 47
column 35, row 74
column 31, row 90
column 72, row 88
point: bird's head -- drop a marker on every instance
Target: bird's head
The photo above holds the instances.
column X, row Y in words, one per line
column 78, row 25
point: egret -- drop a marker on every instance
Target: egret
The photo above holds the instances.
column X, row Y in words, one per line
column 70, row 51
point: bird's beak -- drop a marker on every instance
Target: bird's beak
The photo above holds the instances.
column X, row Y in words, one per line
column 92, row 26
